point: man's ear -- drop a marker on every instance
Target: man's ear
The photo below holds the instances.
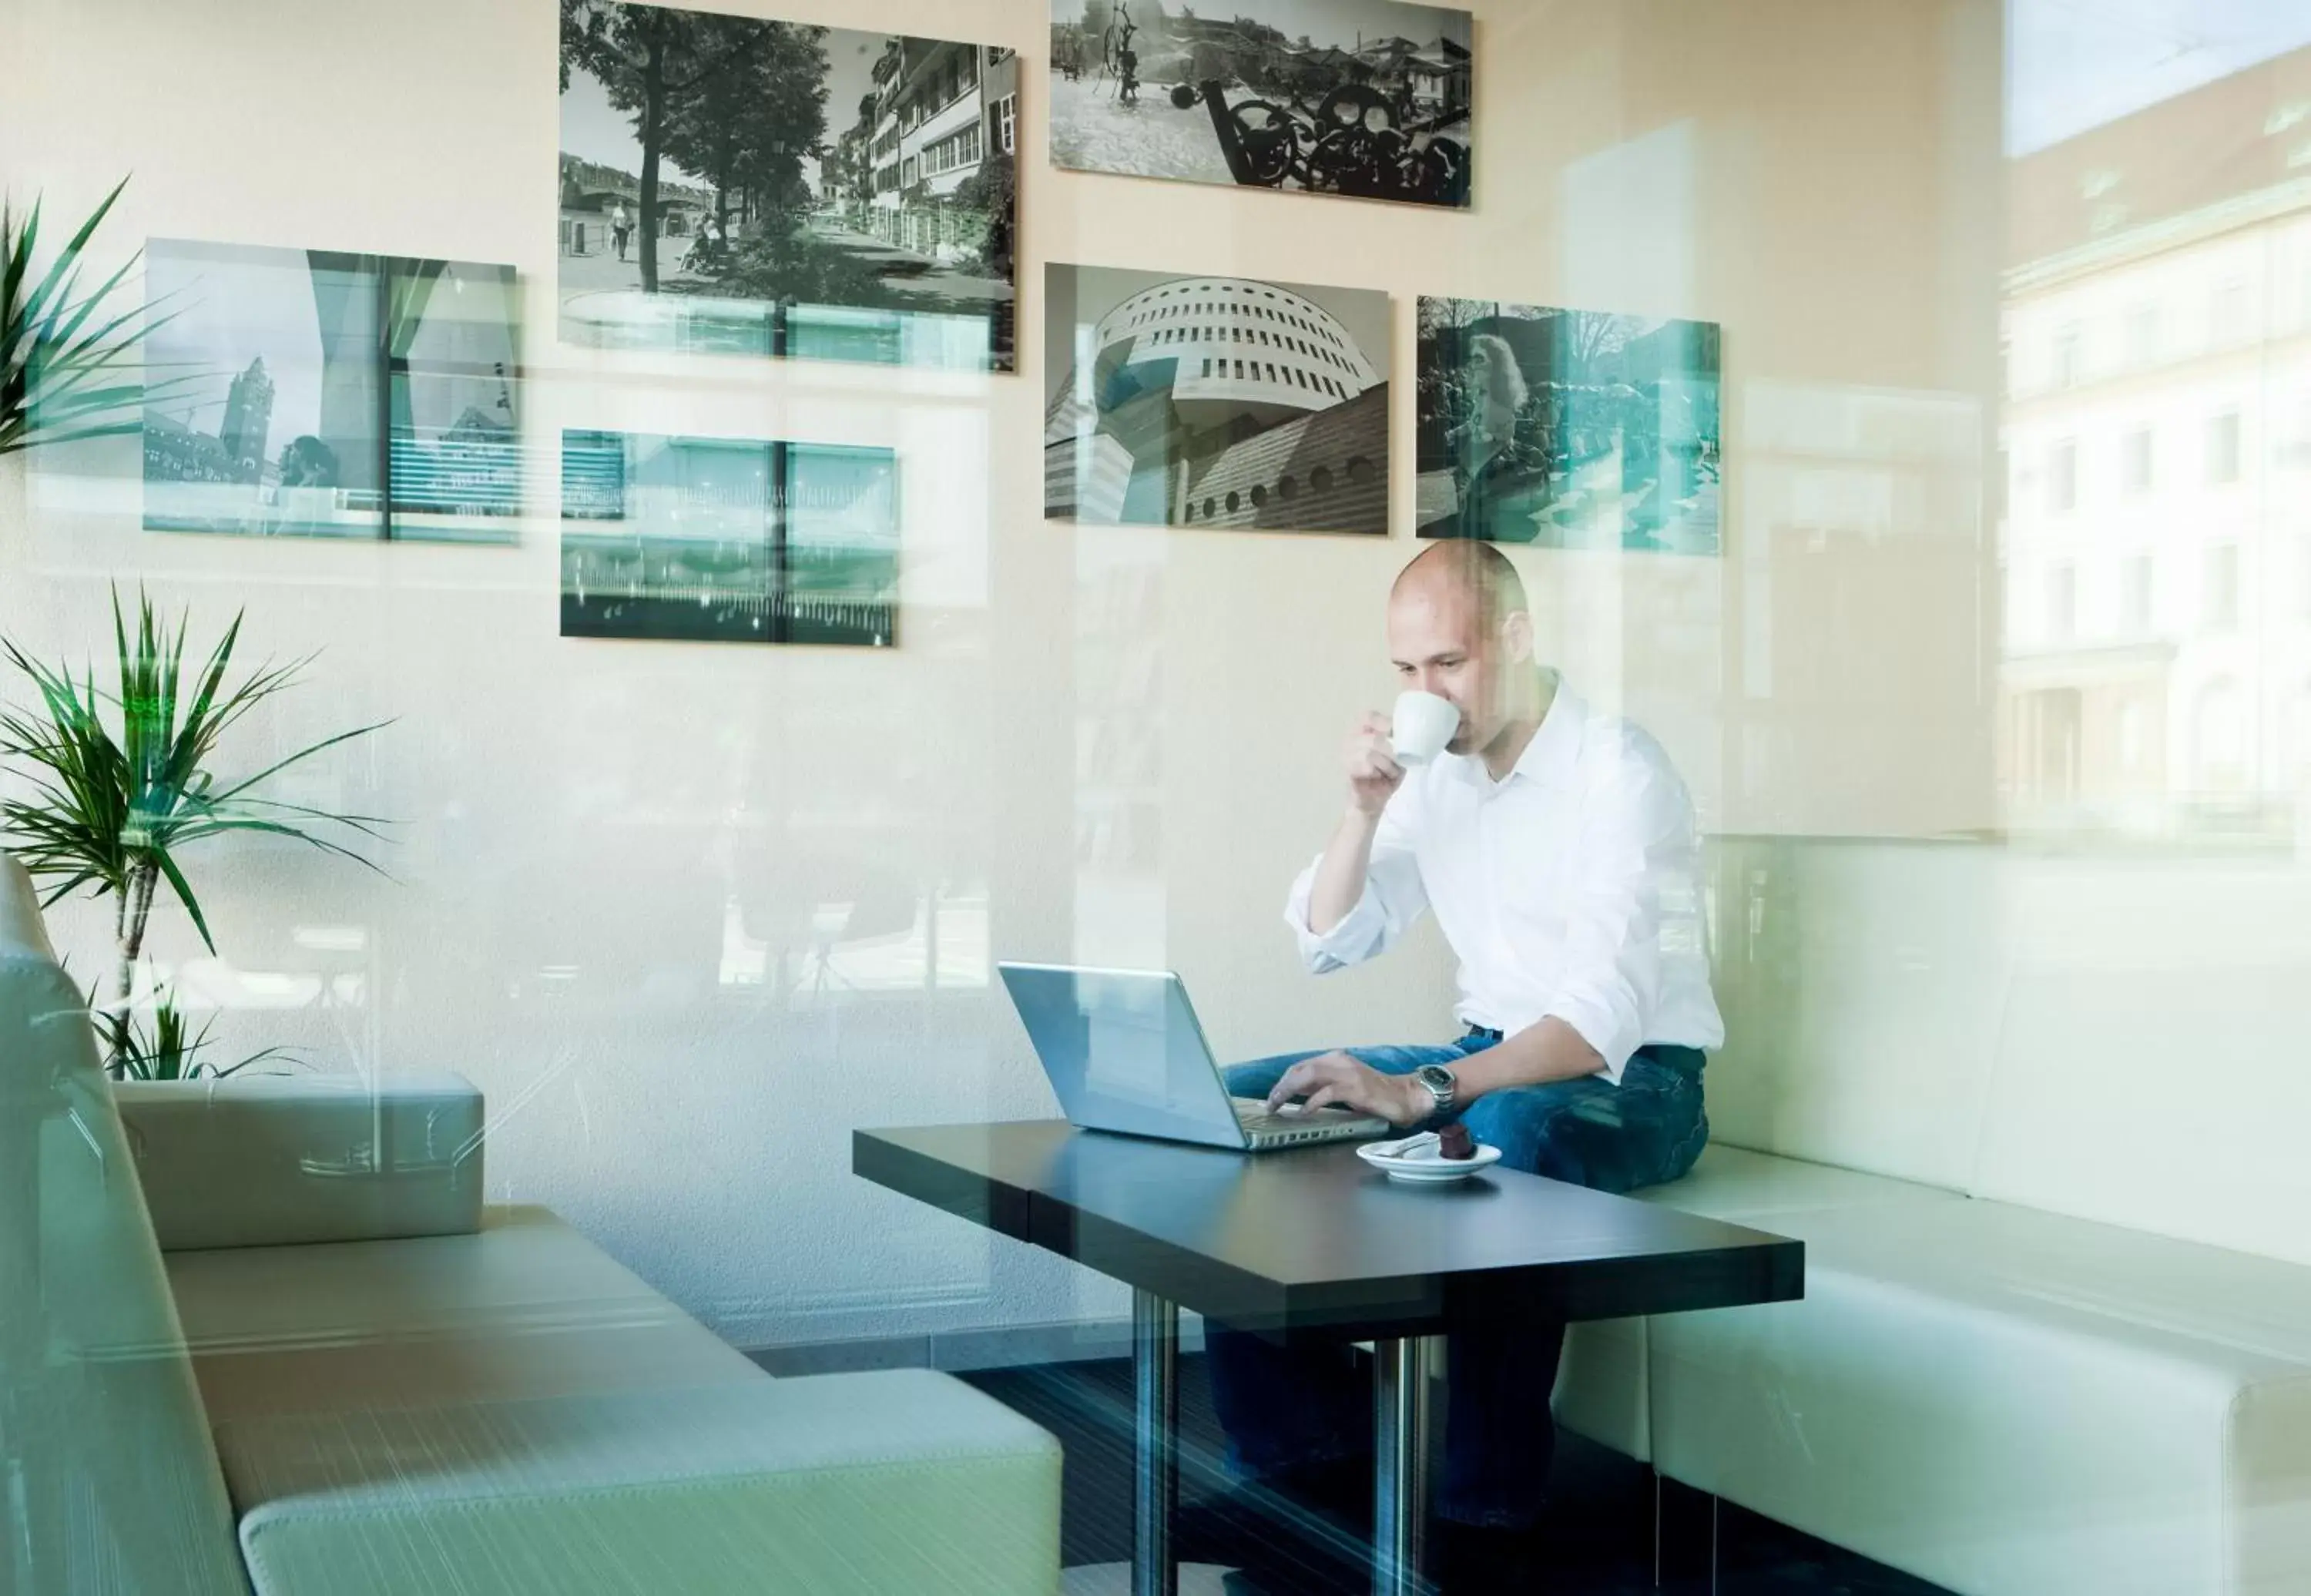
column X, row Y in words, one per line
column 1516, row 637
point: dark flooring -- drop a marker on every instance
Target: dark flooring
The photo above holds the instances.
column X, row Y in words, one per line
column 1599, row 1530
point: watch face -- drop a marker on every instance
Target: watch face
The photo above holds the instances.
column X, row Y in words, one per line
column 1436, row 1076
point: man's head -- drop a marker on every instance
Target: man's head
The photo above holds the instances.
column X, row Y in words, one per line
column 1459, row 627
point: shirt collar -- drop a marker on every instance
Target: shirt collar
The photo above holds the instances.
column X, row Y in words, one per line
column 1548, row 757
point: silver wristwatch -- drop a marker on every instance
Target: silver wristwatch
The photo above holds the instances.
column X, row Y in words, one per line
column 1440, row 1085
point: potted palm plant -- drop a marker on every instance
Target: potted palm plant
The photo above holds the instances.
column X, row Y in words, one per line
column 169, row 1049
column 114, row 787
column 119, row 785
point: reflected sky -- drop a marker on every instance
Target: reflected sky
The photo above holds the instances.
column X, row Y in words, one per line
column 2072, row 66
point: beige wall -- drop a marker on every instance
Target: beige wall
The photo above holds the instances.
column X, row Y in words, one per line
column 582, row 825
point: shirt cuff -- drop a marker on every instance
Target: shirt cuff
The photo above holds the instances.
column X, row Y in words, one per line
column 1354, row 939
column 1594, row 1024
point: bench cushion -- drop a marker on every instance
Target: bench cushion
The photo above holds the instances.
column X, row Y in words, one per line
column 898, row 1481
column 524, row 1307
column 2009, row 1402
column 1736, row 1184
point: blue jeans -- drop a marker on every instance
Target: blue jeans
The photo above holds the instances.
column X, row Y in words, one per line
column 1289, row 1408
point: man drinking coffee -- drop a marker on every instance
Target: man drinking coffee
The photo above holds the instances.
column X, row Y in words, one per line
column 1556, row 848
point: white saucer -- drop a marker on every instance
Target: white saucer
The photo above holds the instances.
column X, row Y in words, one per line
column 1415, row 1161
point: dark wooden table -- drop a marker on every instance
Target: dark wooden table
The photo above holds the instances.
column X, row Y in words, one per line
column 1313, row 1241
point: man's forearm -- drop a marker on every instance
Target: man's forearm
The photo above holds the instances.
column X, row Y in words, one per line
column 1550, row 1050
column 1340, row 883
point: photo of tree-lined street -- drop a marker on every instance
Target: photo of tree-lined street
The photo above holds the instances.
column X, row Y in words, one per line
column 736, row 185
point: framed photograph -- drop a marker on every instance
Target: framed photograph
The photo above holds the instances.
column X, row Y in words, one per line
column 320, row 393
column 733, row 184
column 729, row 540
column 1368, row 97
column 1568, row 428
column 1220, row 402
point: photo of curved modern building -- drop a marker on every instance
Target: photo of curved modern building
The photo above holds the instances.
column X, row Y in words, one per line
column 1215, row 401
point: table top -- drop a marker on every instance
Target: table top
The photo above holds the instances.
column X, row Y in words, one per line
column 1313, row 1239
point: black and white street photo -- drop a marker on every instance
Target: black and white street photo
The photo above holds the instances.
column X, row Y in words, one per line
column 735, row 185
column 1568, row 428
column 1369, row 98
column 1221, row 402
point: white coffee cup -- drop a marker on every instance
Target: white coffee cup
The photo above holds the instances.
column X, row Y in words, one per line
column 1424, row 724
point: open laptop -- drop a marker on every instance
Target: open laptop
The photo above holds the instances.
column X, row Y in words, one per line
column 1124, row 1052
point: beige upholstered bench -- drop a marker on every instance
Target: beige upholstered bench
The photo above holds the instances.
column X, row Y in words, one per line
column 349, row 1376
column 2040, row 1122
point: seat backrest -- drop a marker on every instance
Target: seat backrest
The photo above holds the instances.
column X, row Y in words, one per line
column 1855, row 977
column 100, row 1425
column 2117, row 1038
column 2152, row 1069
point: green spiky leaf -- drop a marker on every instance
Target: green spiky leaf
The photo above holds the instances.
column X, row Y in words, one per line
column 67, row 355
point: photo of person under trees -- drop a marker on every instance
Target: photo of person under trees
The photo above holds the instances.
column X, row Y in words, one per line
column 735, row 185
column 1568, row 428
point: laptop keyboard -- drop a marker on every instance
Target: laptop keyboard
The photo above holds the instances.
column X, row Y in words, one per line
column 1255, row 1115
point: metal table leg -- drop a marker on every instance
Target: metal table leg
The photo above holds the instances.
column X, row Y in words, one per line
column 1401, row 1472
column 1156, row 1443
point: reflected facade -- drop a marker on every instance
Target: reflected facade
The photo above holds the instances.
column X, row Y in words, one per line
column 2157, row 537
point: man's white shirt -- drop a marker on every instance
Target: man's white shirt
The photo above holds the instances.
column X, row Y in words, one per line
column 1571, row 888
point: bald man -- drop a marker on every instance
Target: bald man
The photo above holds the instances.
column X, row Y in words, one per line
column 1556, row 849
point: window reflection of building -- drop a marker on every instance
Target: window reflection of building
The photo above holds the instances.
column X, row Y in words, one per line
column 2158, row 538
column 2222, row 589
column 1865, row 531
column 2138, row 460
column 2219, row 730
column 2062, row 477
column 2063, row 603
column 2135, row 599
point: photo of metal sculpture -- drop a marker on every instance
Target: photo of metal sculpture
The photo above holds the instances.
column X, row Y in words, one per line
column 1120, row 61
column 1215, row 401
column 733, row 184
column 1568, row 429
column 1365, row 97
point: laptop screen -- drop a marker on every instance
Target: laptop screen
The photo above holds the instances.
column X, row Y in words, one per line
column 1123, row 1051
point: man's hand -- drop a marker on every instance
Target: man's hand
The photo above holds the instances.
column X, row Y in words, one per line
column 1373, row 778
column 1373, row 774
column 1338, row 1078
